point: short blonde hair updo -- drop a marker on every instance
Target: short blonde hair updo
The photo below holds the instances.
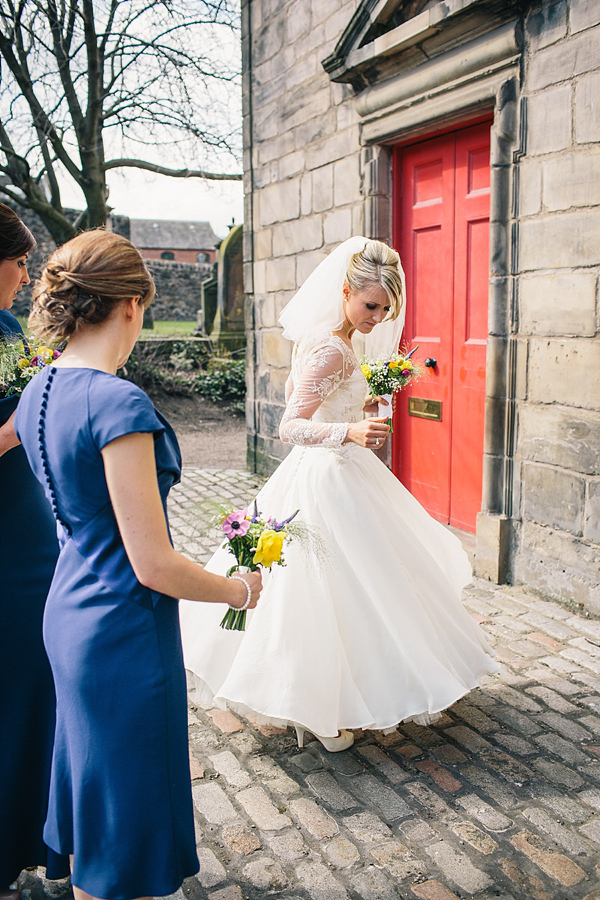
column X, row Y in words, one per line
column 377, row 264
column 83, row 281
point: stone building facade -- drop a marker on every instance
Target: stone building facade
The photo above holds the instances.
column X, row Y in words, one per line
column 337, row 96
column 189, row 242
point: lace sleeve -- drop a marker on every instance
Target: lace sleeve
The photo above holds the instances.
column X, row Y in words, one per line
column 320, row 374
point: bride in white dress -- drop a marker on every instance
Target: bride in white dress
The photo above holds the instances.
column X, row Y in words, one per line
column 371, row 631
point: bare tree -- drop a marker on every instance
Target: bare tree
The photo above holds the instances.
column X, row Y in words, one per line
column 92, row 85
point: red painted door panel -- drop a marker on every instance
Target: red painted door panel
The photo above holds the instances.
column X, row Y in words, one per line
column 426, row 251
column 471, row 280
column 442, row 233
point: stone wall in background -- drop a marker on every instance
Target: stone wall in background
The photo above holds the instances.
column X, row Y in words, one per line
column 177, row 284
column 177, row 288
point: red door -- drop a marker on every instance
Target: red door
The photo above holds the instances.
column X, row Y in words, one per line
column 442, row 201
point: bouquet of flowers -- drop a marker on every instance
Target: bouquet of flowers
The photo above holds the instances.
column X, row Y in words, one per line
column 254, row 542
column 19, row 362
column 385, row 376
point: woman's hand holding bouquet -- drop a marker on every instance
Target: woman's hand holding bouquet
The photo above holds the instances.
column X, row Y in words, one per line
column 254, row 542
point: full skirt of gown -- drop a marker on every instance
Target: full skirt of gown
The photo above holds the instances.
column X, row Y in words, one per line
column 365, row 632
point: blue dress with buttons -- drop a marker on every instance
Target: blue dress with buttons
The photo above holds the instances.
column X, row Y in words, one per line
column 120, row 793
column 28, row 553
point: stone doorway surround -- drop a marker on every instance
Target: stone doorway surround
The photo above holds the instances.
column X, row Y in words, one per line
column 455, row 62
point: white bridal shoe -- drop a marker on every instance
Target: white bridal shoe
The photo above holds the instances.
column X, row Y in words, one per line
column 344, row 739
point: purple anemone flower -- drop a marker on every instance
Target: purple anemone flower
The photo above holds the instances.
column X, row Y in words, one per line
column 405, row 373
column 236, row 524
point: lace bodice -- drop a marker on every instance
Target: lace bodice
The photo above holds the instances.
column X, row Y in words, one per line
column 324, row 392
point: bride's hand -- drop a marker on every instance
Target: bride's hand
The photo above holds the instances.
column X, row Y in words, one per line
column 254, row 582
column 371, row 406
column 369, row 433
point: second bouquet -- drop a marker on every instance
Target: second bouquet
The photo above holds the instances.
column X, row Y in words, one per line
column 19, row 362
column 254, row 541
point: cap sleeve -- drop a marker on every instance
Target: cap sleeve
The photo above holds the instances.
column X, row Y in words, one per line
column 116, row 408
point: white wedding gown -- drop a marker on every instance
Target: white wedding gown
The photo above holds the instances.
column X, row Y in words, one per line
column 367, row 633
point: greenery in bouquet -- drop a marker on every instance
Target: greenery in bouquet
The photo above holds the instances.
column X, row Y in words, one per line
column 19, row 362
column 253, row 541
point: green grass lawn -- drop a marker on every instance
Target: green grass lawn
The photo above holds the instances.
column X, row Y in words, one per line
column 160, row 330
column 169, row 329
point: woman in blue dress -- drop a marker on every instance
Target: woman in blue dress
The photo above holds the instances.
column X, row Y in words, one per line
column 120, row 795
column 28, row 553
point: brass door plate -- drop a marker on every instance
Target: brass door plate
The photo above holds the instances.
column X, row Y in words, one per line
column 425, row 409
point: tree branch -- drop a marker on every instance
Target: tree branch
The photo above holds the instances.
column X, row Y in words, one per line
column 23, row 79
column 49, row 169
column 64, row 68
column 95, row 65
column 15, row 197
column 173, row 173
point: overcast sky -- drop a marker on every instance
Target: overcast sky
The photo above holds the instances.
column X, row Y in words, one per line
column 141, row 195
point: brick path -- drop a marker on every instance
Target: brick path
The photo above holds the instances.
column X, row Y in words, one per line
column 500, row 799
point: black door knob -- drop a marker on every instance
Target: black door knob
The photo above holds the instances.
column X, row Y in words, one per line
column 431, row 362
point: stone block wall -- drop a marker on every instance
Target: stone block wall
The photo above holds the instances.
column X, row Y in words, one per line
column 177, row 283
column 177, row 288
column 558, row 542
column 302, row 183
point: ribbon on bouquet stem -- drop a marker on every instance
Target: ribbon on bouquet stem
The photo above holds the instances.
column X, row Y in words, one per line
column 385, row 409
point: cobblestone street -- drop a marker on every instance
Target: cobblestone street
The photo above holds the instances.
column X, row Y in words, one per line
column 499, row 799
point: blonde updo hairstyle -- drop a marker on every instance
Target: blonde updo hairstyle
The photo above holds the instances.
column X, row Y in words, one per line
column 377, row 264
column 83, row 281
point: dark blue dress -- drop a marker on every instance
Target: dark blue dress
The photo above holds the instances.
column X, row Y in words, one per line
column 28, row 553
column 120, row 795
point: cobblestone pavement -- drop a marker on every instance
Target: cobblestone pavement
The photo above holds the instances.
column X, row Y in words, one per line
column 499, row 799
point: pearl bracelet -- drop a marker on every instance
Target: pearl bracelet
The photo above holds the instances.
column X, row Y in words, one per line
column 248, row 592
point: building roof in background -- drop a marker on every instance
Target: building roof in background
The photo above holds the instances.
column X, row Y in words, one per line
column 159, row 234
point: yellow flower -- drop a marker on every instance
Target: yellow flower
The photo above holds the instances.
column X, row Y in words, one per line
column 268, row 549
column 22, row 363
column 395, row 364
column 407, row 365
column 366, row 370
